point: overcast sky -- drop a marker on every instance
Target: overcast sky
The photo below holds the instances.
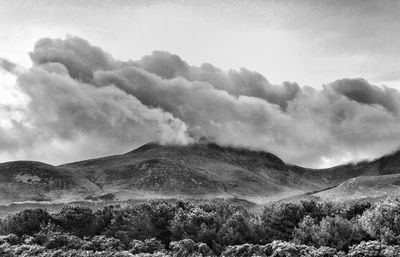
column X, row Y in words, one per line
column 307, row 43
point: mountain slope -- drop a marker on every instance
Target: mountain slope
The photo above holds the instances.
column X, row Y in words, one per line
column 35, row 181
column 367, row 179
column 389, row 164
column 363, row 187
column 199, row 170
column 194, row 170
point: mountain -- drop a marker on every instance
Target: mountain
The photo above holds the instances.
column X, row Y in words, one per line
column 367, row 179
column 200, row 170
column 205, row 170
column 364, row 187
column 23, row 181
column 389, row 164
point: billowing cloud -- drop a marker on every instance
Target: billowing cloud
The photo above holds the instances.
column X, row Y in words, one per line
column 81, row 97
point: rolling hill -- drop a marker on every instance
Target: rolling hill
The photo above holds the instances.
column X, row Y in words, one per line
column 24, row 181
column 200, row 170
column 364, row 187
column 203, row 170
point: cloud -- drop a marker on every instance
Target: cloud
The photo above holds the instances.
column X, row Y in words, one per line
column 10, row 67
column 63, row 109
column 80, row 96
column 361, row 91
column 76, row 54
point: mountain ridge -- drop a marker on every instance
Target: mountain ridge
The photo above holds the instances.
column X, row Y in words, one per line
column 203, row 170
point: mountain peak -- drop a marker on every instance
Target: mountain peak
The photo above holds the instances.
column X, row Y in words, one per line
column 213, row 150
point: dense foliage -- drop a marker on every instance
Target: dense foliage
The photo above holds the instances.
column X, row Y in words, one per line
column 213, row 228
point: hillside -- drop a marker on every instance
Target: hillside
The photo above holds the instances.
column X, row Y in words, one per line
column 39, row 182
column 199, row 170
column 389, row 164
column 364, row 187
column 205, row 170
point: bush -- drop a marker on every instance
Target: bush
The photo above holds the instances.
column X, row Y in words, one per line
column 236, row 230
column 354, row 209
column 197, row 224
column 53, row 238
column 188, row 248
column 325, row 252
column 286, row 249
column 368, row 249
column 76, row 219
column 26, row 222
column 132, row 222
column 244, row 250
column 28, row 250
column 147, row 246
column 335, row 232
column 103, row 243
column 310, row 228
column 11, row 239
column 382, row 221
column 279, row 221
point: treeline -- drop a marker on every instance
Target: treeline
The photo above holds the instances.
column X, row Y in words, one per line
column 214, row 228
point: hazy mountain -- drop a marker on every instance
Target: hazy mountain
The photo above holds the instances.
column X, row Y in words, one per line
column 199, row 170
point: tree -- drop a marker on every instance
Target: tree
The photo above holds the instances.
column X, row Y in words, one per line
column 26, row 222
column 279, row 221
column 76, row 219
column 236, row 230
column 382, row 221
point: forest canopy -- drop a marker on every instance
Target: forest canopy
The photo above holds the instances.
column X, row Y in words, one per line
column 206, row 228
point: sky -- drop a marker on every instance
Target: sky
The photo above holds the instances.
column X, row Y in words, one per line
column 314, row 82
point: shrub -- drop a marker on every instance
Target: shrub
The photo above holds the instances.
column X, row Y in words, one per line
column 339, row 233
column 26, row 222
column 307, row 232
column 188, row 248
column 103, row 218
column 11, row 239
column 382, row 221
column 52, row 238
column 147, row 246
column 132, row 222
column 325, row 252
column 335, row 232
column 103, row 243
column 236, row 230
column 279, row 221
column 317, row 209
column 28, row 250
column 196, row 224
column 286, row 249
column 368, row 249
column 353, row 209
column 76, row 219
column 243, row 250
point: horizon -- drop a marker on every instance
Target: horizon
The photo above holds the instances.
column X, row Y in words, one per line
column 212, row 143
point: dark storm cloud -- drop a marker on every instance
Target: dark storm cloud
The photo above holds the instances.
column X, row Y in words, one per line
column 361, row 91
column 80, row 94
column 243, row 82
